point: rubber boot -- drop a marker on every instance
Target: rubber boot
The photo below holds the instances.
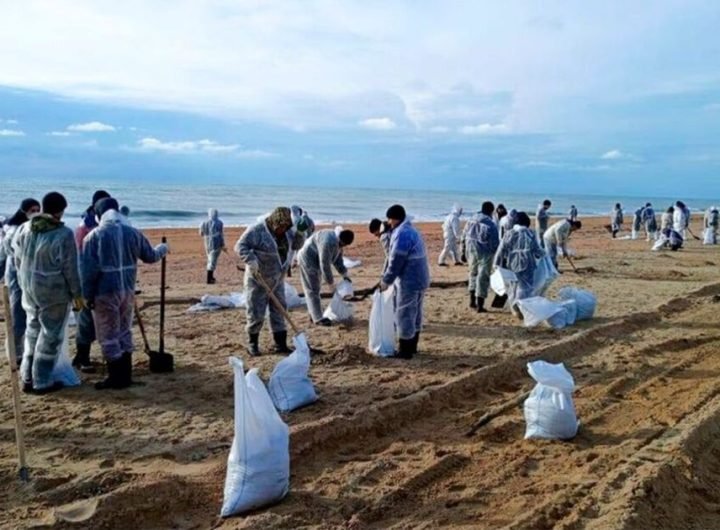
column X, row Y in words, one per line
column 405, row 348
column 126, row 374
column 473, row 303
column 115, row 378
column 82, row 359
column 481, row 305
column 253, row 344
column 210, row 277
column 280, row 338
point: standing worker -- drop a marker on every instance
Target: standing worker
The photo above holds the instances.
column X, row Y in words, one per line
column 667, row 220
column 557, row 236
column 408, row 264
column 649, row 222
column 637, row 222
column 109, row 271
column 482, row 240
column 616, row 220
column 507, row 222
column 542, row 219
column 681, row 219
column 29, row 208
column 47, row 266
column 318, row 256
column 519, row 251
column 451, row 235
column 573, row 213
column 711, row 221
column 85, row 334
column 266, row 248
column 214, row 237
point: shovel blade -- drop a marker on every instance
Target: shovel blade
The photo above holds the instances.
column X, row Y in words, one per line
column 161, row 362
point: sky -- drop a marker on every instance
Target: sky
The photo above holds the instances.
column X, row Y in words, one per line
column 589, row 97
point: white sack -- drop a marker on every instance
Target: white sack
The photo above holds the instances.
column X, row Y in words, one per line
column 549, row 410
column 290, row 387
column 351, row 263
column 545, row 274
column 501, row 281
column 586, row 301
column 63, row 371
column 382, row 324
column 339, row 310
column 537, row 309
column 258, row 470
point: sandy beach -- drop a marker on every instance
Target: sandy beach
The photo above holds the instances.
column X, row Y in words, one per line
column 386, row 444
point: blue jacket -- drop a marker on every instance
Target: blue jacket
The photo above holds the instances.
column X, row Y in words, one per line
column 407, row 259
column 109, row 257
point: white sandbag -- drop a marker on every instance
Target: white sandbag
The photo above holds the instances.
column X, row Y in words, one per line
column 586, row 301
column 537, row 309
column 231, row 301
column 501, row 281
column 292, row 298
column 660, row 243
column 339, row 310
column 549, row 409
column 571, row 309
column 63, row 371
column 559, row 320
column 545, row 274
column 290, row 387
column 258, row 470
column 351, row 263
column 345, row 289
column 709, row 236
column 382, row 324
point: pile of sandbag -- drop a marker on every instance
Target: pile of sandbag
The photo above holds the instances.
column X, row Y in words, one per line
column 549, row 409
column 574, row 305
column 211, row 302
column 258, row 469
column 290, row 386
column 339, row 310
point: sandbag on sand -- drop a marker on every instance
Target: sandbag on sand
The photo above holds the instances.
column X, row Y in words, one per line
column 538, row 309
column 290, row 387
column 586, row 301
column 258, row 469
column 549, row 409
column 213, row 302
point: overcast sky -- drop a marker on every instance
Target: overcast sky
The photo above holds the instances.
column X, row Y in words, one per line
column 560, row 96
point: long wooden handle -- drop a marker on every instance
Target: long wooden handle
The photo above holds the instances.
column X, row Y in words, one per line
column 163, row 267
column 12, row 353
column 276, row 302
column 142, row 327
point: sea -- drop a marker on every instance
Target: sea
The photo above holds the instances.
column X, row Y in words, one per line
column 186, row 205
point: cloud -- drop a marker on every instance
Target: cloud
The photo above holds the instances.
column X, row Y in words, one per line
column 614, row 154
column 201, row 146
column 59, row 133
column 378, row 124
column 9, row 122
column 93, row 126
column 11, row 132
column 439, row 129
column 484, row 129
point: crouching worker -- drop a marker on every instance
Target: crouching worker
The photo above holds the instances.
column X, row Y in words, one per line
column 557, row 237
column 318, row 256
column 109, row 270
column 519, row 251
column 407, row 263
column 266, row 248
column 46, row 262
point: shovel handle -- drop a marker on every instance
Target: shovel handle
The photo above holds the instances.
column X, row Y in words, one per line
column 11, row 353
column 163, row 267
column 142, row 327
column 276, row 302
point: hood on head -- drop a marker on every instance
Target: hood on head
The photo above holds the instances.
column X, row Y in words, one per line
column 213, row 213
column 44, row 223
column 457, row 209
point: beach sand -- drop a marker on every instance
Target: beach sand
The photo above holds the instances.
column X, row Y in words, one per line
column 386, row 445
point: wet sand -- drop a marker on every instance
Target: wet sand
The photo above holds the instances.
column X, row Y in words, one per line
column 386, row 445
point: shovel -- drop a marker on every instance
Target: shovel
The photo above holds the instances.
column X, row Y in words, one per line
column 160, row 361
column 11, row 353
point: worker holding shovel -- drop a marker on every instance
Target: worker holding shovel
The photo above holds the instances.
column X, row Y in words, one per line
column 557, row 237
column 266, row 248
column 108, row 274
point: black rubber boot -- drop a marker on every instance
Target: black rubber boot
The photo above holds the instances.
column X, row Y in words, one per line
column 481, row 305
column 325, row 322
column 126, row 379
column 405, row 348
column 116, row 375
column 82, row 359
column 280, row 338
column 210, row 277
column 253, row 344
column 473, row 303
